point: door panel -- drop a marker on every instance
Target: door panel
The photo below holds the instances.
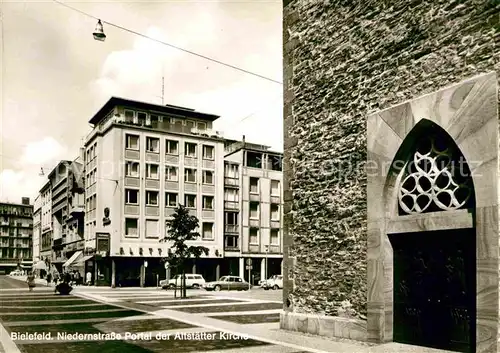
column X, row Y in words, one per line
column 435, row 289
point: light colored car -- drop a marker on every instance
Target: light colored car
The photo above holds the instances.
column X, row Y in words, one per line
column 192, row 281
column 227, row 283
column 15, row 273
column 275, row 282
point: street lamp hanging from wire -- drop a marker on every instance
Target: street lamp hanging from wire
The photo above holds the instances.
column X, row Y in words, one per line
column 99, row 32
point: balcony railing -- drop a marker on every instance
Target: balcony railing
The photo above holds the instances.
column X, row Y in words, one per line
column 231, row 205
column 77, row 209
column 168, row 127
column 229, row 181
column 231, row 228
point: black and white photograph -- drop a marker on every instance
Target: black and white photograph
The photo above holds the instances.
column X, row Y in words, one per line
column 250, row 176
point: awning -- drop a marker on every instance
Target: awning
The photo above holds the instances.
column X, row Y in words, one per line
column 73, row 258
column 82, row 261
column 40, row 265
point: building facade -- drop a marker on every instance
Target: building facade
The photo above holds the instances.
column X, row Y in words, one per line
column 37, row 228
column 46, row 223
column 141, row 161
column 385, row 77
column 73, row 243
column 253, row 203
column 58, row 179
column 16, row 235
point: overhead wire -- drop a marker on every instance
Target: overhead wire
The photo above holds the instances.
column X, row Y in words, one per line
column 168, row 44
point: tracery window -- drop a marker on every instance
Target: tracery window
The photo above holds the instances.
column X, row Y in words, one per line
column 436, row 178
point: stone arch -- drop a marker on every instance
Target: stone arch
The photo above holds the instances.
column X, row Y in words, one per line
column 429, row 173
column 466, row 114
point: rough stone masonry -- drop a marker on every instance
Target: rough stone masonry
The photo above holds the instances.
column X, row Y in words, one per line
column 343, row 59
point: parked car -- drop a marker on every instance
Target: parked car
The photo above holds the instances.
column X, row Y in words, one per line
column 192, row 281
column 274, row 282
column 15, row 273
column 227, row 283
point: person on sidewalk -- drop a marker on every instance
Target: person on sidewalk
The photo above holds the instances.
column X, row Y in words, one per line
column 56, row 280
column 78, row 278
column 49, row 278
column 31, row 281
column 67, row 277
column 89, row 278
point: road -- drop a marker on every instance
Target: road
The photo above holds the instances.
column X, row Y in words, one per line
column 137, row 320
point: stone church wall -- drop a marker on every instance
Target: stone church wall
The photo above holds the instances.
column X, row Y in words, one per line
column 343, row 60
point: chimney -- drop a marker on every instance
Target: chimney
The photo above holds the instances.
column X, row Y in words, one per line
column 25, row 201
column 82, row 155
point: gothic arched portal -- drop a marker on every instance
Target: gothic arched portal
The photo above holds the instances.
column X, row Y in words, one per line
column 436, row 176
column 433, row 219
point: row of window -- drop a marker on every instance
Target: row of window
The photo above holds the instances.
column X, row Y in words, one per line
column 153, row 119
column 132, row 142
column 91, row 203
column 91, row 177
column 153, row 229
column 206, row 232
column 132, row 169
column 91, row 153
column 255, row 186
column 171, row 199
column 254, row 236
column 261, row 160
column 190, row 201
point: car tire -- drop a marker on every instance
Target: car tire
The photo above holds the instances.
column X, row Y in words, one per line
column 196, row 286
column 217, row 288
column 276, row 287
column 266, row 288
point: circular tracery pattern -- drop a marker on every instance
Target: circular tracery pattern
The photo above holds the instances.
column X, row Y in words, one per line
column 434, row 179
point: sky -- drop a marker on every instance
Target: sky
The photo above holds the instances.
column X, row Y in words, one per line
column 55, row 76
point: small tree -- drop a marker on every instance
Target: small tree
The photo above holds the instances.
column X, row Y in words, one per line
column 181, row 228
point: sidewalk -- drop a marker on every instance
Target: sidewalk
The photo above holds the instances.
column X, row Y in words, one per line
column 41, row 282
column 265, row 333
column 274, row 335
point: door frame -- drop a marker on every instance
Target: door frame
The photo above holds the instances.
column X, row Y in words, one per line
column 440, row 240
column 468, row 112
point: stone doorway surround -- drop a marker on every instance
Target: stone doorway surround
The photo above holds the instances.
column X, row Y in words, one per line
column 468, row 113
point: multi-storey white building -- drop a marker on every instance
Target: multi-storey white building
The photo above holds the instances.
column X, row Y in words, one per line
column 37, row 228
column 253, row 201
column 141, row 161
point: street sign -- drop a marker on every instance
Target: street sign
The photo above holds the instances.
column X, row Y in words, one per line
column 249, row 262
column 248, row 267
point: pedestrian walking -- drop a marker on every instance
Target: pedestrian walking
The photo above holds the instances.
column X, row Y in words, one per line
column 78, row 278
column 56, row 278
column 67, row 277
column 49, row 278
column 31, row 281
column 89, row 278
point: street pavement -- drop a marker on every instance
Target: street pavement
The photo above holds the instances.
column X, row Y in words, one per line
column 152, row 320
